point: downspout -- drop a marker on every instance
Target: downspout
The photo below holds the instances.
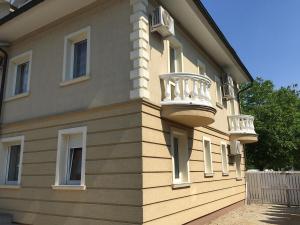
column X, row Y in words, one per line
column 3, row 78
column 242, row 90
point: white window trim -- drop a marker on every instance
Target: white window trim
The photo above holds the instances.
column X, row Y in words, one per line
column 211, row 173
column 172, row 41
column 178, row 183
column 218, row 81
column 238, row 176
column 225, row 173
column 65, row 80
column 65, row 186
column 200, row 63
column 5, row 143
column 13, row 65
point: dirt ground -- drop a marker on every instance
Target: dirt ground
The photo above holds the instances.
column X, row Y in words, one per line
column 260, row 215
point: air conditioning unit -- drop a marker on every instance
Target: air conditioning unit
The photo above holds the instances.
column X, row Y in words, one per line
column 162, row 22
column 235, row 148
column 228, row 87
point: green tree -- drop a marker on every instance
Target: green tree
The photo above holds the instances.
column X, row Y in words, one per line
column 277, row 118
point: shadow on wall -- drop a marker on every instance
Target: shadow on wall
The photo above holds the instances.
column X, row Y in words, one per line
column 282, row 215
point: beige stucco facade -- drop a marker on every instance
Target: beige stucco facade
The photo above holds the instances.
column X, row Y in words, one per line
column 128, row 158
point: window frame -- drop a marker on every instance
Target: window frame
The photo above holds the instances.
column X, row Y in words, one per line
column 14, row 62
column 68, row 61
column 201, row 64
column 182, row 136
column 219, row 98
column 224, row 172
column 62, row 160
column 206, row 172
column 177, row 46
column 6, row 143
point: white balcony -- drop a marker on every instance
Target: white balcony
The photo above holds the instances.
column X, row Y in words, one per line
column 186, row 98
column 241, row 127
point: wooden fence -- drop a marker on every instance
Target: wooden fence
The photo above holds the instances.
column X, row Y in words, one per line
column 273, row 187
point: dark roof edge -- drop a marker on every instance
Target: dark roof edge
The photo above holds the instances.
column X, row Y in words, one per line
column 19, row 11
column 213, row 24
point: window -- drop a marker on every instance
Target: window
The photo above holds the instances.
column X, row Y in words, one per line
column 11, row 155
column 22, row 78
column 180, row 156
column 224, row 155
column 232, row 108
column 208, row 168
column 175, row 56
column 79, row 64
column 19, row 75
column 201, row 67
column 219, row 97
column 238, row 167
column 71, row 155
column 77, row 55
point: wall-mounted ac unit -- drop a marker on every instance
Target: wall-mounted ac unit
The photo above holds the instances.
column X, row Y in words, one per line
column 162, row 22
column 228, row 87
column 235, row 148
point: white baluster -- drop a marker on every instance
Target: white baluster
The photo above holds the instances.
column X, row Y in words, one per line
column 195, row 90
column 207, row 94
column 167, row 90
column 237, row 119
column 232, row 123
column 201, row 92
column 177, row 90
column 186, row 92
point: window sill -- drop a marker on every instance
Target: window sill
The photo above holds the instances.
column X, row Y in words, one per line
column 239, row 178
column 225, row 174
column 208, row 174
column 10, row 186
column 181, row 185
column 74, row 81
column 69, row 187
column 221, row 106
column 16, row 97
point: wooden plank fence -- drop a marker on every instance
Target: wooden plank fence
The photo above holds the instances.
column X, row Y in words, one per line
column 273, row 187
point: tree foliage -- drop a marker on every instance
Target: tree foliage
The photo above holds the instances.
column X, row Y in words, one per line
column 277, row 122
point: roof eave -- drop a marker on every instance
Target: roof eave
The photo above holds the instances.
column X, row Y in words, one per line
column 220, row 34
column 19, row 11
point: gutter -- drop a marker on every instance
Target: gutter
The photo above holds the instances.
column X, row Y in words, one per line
column 19, row 11
column 3, row 78
column 220, row 34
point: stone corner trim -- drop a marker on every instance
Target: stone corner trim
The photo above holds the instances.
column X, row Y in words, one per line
column 139, row 55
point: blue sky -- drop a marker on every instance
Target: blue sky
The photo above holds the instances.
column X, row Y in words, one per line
column 264, row 33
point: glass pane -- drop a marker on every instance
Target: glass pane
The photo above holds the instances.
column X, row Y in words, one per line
column 14, row 160
column 172, row 60
column 224, row 158
column 75, row 164
column 238, row 166
column 22, row 78
column 219, row 93
column 80, row 54
column 176, row 158
column 208, row 156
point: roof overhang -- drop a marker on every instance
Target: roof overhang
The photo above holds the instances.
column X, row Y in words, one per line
column 190, row 13
column 193, row 16
column 35, row 15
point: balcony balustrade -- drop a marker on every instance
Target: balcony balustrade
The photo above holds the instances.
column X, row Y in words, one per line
column 186, row 89
column 187, row 99
column 241, row 127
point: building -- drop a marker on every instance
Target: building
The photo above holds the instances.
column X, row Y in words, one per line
column 119, row 112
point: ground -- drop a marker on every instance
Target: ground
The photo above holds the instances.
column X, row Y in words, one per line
column 260, row 215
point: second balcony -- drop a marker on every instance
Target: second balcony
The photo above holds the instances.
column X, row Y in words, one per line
column 187, row 99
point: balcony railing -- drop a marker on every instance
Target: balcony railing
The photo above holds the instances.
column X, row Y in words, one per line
column 241, row 124
column 186, row 89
